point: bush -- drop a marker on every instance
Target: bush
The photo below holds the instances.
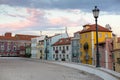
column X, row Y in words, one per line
column 28, row 55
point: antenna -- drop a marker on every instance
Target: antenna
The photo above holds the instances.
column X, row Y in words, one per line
column 40, row 33
column 66, row 31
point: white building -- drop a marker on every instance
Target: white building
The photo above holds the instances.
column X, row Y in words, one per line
column 62, row 49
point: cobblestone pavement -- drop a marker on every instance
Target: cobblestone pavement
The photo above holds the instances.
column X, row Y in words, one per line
column 22, row 69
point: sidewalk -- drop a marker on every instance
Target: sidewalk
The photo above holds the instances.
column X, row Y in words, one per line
column 101, row 72
column 106, row 74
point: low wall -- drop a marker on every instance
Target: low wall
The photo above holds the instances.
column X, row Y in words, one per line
column 101, row 72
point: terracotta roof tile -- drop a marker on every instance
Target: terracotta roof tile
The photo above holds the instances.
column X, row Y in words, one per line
column 24, row 37
column 17, row 37
column 63, row 41
column 7, row 38
column 93, row 28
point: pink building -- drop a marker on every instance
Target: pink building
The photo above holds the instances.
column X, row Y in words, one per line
column 14, row 45
column 106, row 56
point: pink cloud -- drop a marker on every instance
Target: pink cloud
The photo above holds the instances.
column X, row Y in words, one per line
column 16, row 25
column 34, row 14
column 67, row 22
column 29, row 20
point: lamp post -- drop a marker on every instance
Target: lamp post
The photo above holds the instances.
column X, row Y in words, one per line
column 95, row 14
column 46, row 50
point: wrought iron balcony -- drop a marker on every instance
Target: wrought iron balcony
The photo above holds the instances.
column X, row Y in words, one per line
column 63, row 51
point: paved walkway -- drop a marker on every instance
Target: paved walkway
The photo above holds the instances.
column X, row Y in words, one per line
column 29, row 69
column 106, row 74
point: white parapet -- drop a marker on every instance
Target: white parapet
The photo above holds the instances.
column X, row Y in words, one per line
column 93, row 70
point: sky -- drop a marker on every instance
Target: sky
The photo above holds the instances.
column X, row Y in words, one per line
column 48, row 17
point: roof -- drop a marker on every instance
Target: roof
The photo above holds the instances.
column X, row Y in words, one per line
column 54, row 35
column 24, row 37
column 63, row 41
column 17, row 37
column 93, row 28
column 7, row 38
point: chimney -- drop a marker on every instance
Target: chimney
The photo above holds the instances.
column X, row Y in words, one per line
column 108, row 26
column 86, row 26
column 8, row 34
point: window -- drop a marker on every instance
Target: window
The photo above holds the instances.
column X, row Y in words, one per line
column 14, row 48
column 56, row 48
column 80, row 53
column 40, row 51
column 53, row 48
column 2, row 47
column 80, row 45
column 67, row 47
column 60, row 48
column 8, row 43
column 53, row 55
column 40, row 43
column 2, row 43
column 67, row 56
column 118, row 60
column 75, row 35
column 63, row 51
column 100, row 35
column 63, row 55
column 8, row 48
column 106, row 35
column 60, row 56
column 63, row 47
column 86, row 36
column 50, row 39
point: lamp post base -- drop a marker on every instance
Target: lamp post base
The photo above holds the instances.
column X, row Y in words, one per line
column 98, row 66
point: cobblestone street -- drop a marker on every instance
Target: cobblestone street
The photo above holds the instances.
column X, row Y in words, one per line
column 23, row 69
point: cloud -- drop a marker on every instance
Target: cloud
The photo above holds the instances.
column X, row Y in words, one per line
column 85, row 5
column 67, row 22
column 37, row 15
column 39, row 19
column 31, row 18
column 17, row 25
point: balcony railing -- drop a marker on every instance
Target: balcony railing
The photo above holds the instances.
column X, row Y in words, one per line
column 56, row 51
column 63, row 51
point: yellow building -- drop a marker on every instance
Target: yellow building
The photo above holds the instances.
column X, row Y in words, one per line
column 116, row 52
column 88, row 41
column 40, row 49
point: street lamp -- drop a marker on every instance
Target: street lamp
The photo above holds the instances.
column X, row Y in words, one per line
column 95, row 14
column 46, row 50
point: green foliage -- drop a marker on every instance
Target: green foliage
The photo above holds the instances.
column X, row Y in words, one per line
column 28, row 55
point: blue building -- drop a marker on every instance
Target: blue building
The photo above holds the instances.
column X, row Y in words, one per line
column 50, row 41
column 76, row 47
